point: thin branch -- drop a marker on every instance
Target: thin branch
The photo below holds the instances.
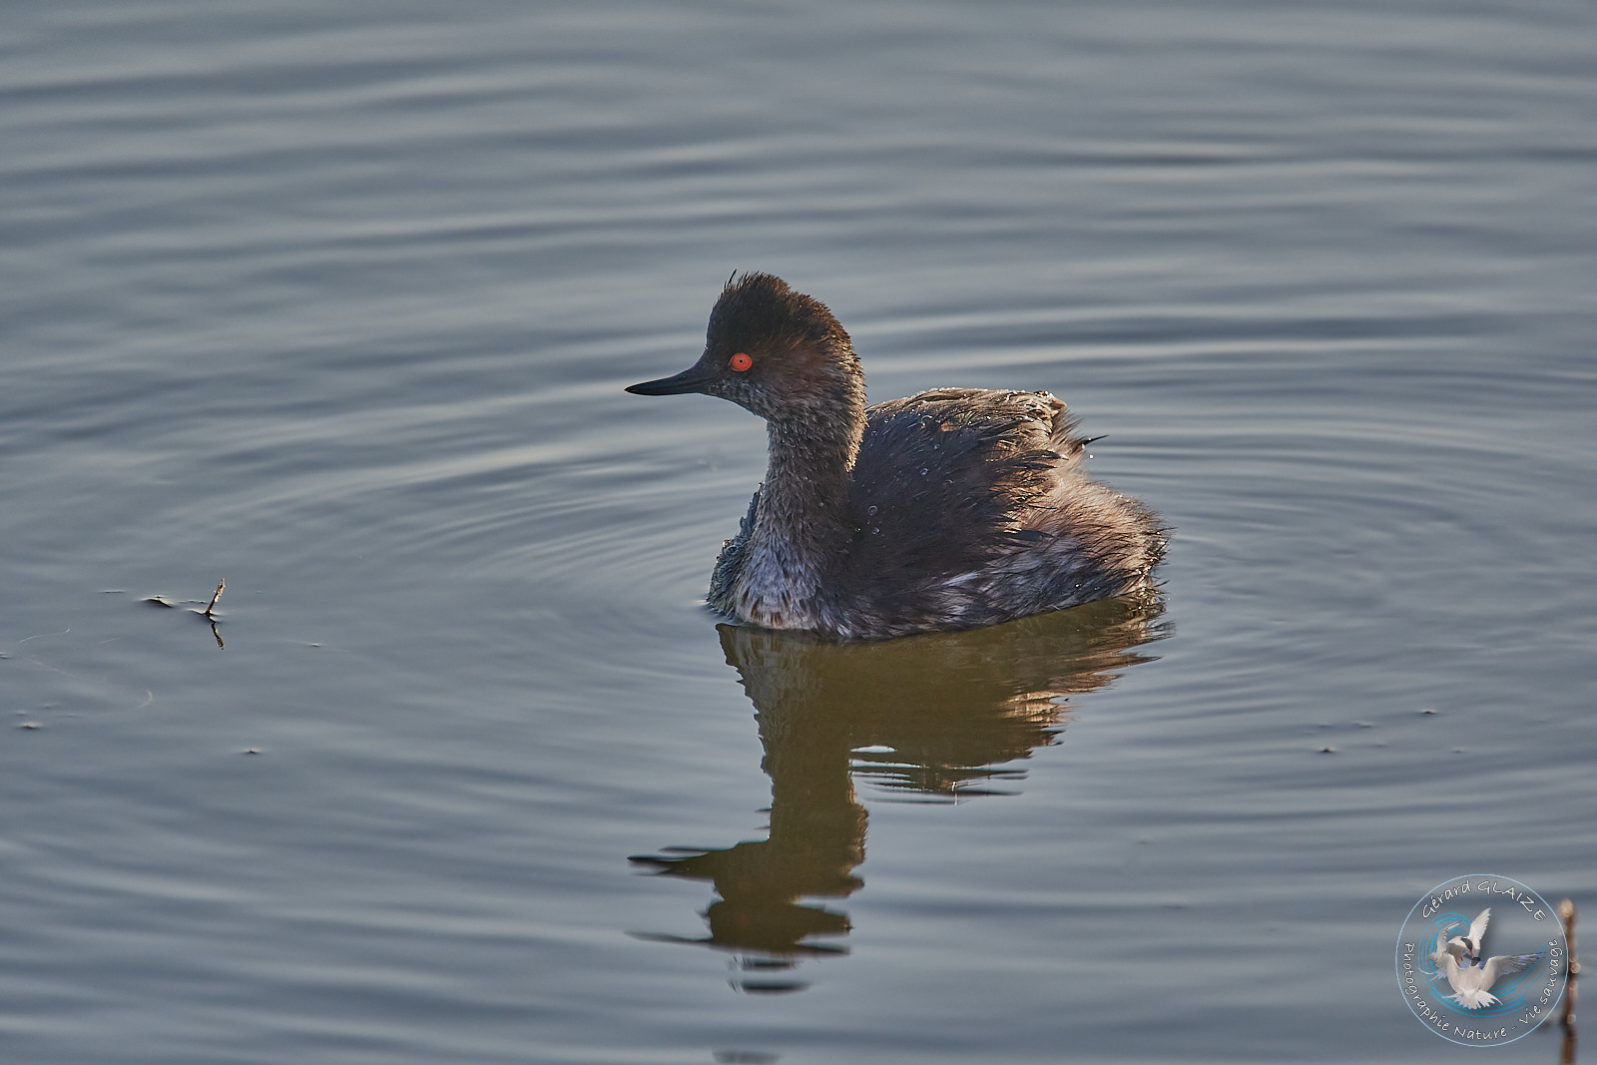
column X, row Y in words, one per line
column 1566, row 910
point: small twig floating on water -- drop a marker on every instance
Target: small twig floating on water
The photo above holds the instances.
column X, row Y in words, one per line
column 209, row 613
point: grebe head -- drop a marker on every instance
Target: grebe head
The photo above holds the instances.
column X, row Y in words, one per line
column 777, row 352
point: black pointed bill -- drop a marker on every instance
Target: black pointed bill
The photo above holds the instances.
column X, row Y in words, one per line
column 693, row 379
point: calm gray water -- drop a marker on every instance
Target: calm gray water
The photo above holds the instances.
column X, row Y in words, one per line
column 336, row 302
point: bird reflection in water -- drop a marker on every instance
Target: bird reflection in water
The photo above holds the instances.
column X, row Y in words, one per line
column 927, row 717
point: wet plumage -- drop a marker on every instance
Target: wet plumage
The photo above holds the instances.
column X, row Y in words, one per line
column 950, row 509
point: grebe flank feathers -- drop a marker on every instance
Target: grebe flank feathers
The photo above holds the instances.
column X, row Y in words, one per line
column 950, row 509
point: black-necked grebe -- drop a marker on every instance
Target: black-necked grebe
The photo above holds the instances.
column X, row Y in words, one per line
column 951, row 509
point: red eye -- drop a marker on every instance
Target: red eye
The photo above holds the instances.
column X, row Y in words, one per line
column 740, row 361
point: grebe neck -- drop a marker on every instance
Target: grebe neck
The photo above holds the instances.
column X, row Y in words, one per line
column 800, row 521
column 807, row 478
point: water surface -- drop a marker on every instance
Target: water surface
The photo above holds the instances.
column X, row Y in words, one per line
column 338, row 304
